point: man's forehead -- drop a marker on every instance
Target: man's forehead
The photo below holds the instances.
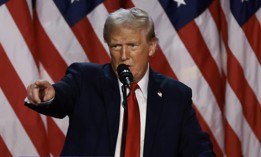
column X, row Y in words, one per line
column 127, row 37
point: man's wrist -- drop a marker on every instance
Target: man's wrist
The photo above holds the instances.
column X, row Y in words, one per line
column 45, row 102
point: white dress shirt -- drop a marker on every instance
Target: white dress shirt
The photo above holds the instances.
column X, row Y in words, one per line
column 141, row 95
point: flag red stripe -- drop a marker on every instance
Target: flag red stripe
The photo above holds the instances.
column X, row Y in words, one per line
column 248, row 99
column 206, row 128
column 48, row 54
column 164, row 66
column 4, row 151
column 235, row 75
column 232, row 143
column 20, row 12
column 207, row 65
column 55, row 137
column 252, row 31
column 128, row 4
column 113, row 5
column 90, row 42
column 30, row 120
column 214, row 9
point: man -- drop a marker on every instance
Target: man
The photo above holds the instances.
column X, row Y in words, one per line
column 90, row 95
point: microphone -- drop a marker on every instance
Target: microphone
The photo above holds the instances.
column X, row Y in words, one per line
column 125, row 74
column 126, row 78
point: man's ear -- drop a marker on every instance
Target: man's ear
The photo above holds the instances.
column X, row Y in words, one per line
column 153, row 45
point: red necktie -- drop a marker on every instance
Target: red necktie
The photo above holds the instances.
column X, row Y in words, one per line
column 132, row 148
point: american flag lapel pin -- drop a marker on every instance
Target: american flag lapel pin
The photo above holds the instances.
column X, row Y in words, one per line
column 159, row 93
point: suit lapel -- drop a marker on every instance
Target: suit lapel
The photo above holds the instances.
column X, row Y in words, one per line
column 154, row 108
column 111, row 95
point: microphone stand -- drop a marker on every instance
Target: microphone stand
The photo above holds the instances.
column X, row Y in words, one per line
column 125, row 119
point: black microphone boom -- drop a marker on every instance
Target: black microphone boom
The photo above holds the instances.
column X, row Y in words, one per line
column 126, row 78
column 125, row 74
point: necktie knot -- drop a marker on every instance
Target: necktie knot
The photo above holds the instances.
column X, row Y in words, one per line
column 134, row 86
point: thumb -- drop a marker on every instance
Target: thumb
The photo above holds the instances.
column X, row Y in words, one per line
column 46, row 90
column 49, row 93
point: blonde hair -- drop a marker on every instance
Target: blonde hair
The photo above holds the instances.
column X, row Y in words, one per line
column 133, row 18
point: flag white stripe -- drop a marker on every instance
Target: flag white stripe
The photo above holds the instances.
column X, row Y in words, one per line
column 44, row 74
column 234, row 115
column 209, row 30
column 185, row 69
column 258, row 15
column 10, row 36
column 62, row 124
column 30, row 7
column 223, row 54
column 208, row 108
column 12, row 131
column 60, row 33
column 97, row 18
column 243, row 51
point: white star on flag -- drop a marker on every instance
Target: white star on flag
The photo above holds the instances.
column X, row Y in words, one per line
column 180, row 2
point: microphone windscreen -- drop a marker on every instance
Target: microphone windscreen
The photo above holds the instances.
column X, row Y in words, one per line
column 123, row 73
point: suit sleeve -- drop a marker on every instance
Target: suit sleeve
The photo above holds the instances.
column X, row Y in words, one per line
column 66, row 92
column 194, row 142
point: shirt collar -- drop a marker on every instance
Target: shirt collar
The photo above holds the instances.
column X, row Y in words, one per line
column 143, row 83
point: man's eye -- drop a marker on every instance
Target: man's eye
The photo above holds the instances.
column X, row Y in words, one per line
column 115, row 46
column 133, row 45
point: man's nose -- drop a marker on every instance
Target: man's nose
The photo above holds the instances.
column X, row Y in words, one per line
column 124, row 53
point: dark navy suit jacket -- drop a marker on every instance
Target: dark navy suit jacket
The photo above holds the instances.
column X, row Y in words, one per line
column 89, row 94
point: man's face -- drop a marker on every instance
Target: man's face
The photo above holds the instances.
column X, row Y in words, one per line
column 130, row 47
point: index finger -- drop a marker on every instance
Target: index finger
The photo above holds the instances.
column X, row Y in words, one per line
column 41, row 83
column 33, row 94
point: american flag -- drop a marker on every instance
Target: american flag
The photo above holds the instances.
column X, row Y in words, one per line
column 213, row 46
